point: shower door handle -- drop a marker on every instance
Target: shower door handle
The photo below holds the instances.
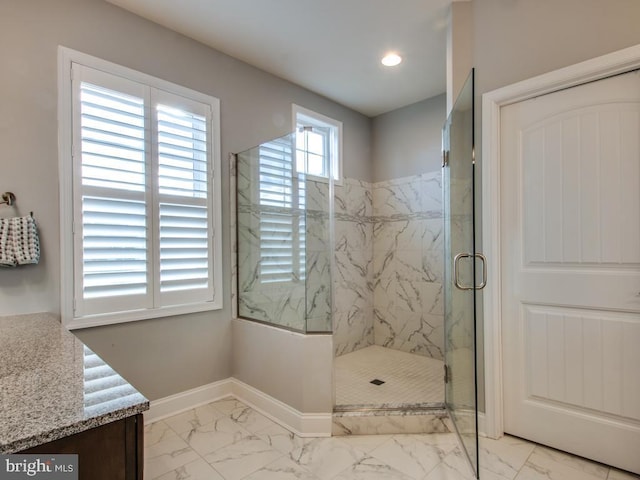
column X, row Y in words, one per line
column 456, row 271
column 484, row 271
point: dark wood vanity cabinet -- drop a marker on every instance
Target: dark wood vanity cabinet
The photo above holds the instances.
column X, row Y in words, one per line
column 113, row 451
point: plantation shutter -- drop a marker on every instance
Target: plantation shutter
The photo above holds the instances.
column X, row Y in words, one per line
column 142, row 190
column 184, row 189
column 112, row 243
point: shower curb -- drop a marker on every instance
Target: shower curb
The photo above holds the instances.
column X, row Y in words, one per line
column 380, row 421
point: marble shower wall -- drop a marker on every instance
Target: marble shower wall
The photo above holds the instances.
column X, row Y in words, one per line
column 353, row 279
column 389, row 265
column 408, row 257
column 318, row 257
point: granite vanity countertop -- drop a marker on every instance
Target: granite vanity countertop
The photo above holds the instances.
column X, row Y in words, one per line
column 52, row 385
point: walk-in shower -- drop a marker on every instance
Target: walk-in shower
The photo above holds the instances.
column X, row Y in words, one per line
column 362, row 260
column 389, row 318
column 365, row 262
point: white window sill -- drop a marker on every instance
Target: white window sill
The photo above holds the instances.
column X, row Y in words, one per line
column 98, row 320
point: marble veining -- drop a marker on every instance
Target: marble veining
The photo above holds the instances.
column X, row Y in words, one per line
column 354, row 268
column 408, row 258
column 399, row 409
column 47, row 385
column 389, row 265
column 281, row 243
column 405, row 422
column 269, row 451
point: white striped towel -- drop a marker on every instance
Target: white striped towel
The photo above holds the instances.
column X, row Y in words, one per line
column 26, row 244
column 7, row 258
column 19, row 242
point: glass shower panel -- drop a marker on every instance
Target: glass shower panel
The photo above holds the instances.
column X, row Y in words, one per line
column 284, row 274
column 460, row 286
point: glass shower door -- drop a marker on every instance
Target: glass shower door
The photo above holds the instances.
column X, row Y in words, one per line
column 460, row 276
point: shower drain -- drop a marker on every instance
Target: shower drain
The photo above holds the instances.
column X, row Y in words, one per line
column 376, row 381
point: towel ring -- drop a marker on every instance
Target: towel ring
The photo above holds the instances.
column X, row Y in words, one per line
column 8, row 198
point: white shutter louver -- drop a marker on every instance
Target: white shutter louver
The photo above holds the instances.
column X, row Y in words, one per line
column 183, row 215
column 114, row 230
column 114, row 247
column 182, row 153
column 184, row 249
column 113, row 153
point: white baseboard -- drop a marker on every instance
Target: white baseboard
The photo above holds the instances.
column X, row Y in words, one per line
column 302, row 424
column 183, row 401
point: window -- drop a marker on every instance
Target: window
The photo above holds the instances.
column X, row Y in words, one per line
column 318, row 144
column 285, row 166
column 140, row 173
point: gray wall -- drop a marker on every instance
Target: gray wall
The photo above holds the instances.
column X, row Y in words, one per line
column 408, row 141
column 161, row 356
column 518, row 39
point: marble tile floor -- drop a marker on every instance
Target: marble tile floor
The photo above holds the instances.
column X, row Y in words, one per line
column 410, row 379
column 227, row 440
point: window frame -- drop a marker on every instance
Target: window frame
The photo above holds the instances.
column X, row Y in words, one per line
column 311, row 118
column 66, row 58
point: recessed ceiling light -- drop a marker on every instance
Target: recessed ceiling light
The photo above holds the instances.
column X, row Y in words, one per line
column 391, row 59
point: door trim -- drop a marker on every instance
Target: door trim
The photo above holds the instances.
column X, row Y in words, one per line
column 591, row 70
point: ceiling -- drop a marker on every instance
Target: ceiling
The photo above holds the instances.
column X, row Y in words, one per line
column 332, row 47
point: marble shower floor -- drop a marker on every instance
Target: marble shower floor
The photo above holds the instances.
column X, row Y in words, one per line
column 227, row 440
column 409, row 379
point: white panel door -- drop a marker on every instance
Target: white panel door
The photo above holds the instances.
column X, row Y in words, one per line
column 570, row 241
